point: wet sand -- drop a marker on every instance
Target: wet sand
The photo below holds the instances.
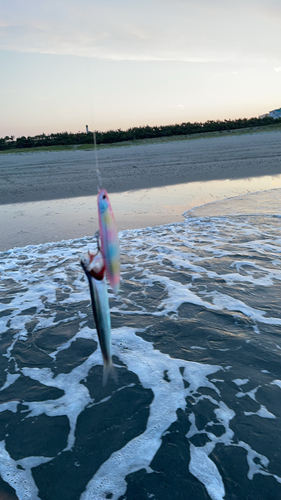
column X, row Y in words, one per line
column 70, row 218
column 38, row 176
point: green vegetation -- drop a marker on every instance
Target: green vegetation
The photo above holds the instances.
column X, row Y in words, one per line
column 80, row 140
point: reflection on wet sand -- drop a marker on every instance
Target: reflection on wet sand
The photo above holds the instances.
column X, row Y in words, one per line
column 54, row 220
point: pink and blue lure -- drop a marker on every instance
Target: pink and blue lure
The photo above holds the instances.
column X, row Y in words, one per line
column 109, row 240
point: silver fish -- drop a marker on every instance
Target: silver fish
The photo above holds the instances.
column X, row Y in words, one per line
column 94, row 268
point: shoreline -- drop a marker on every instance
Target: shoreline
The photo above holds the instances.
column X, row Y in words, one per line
column 39, row 176
column 34, row 223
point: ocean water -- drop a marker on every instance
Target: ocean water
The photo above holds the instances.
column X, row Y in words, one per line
column 196, row 340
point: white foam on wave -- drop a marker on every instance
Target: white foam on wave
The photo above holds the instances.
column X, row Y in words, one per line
column 10, row 379
column 198, row 347
column 201, row 466
column 178, row 294
column 141, row 358
column 262, row 412
column 257, row 463
column 84, row 333
column 55, row 261
column 251, row 394
column 277, row 382
column 272, row 274
column 185, row 253
column 20, row 479
column 240, row 381
column 10, row 406
column 76, row 396
column 193, row 248
column 206, row 472
column 223, row 301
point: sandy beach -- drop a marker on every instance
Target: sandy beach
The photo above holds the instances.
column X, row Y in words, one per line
column 40, row 176
column 51, row 196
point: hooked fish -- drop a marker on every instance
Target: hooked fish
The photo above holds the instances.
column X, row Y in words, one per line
column 109, row 240
column 94, row 267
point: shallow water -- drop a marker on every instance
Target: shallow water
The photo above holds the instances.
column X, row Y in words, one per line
column 54, row 220
column 196, row 338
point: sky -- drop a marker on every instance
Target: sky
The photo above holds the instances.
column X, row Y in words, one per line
column 124, row 63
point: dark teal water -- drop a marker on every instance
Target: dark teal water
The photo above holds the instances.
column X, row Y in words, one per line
column 196, row 339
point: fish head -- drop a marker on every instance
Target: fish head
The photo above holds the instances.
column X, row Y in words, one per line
column 93, row 265
column 103, row 201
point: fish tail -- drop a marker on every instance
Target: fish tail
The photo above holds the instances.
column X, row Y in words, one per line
column 108, row 368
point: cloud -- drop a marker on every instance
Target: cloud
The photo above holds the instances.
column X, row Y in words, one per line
column 277, row 69
column 180, row 30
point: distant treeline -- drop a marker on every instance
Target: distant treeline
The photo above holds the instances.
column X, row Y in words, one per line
column 136, row 133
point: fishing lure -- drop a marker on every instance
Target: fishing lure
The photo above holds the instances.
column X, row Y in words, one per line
column 109, row 240
column 94, row 268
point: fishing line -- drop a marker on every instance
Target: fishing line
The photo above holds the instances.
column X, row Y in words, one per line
column 96, row 157
column 99, row 181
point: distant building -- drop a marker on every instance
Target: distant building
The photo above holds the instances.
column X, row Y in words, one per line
column 276, row 113
column 87, row 129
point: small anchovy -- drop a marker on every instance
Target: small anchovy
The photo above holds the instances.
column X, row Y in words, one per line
column 93, row 266
column 109, row 240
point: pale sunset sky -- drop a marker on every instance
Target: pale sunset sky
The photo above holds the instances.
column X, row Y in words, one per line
column 124, row 63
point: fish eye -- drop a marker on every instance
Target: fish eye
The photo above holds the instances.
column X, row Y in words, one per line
column 104, row 197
